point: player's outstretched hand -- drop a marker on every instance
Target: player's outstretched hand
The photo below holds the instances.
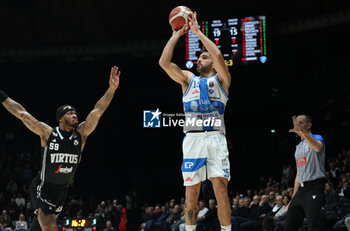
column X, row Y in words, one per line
column 114, row 78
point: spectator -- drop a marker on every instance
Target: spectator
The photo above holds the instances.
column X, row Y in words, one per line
column 337, row 226
column 235, row 203
column 160, row 222
column 11, row 186
column 202, row 210
column 109, row 226
column 211, row 216
column 178, row 219
column 242, row 210
column 115, row 213
column 123, row 219
column 236, row 221
column 13, row 209
column 147, row 216
column 172, row 203
column 272, row 198
column 5, row 219
column 334, row 170
column 344, row 189
column 275, row 219
column 21, row 224
column 347, row 223
column 329, row 178
column 100, row 215
column 20, row 201
column 250, row 194
column 255, row 223
column 332, row 201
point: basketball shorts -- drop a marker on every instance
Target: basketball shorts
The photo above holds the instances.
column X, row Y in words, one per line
column 205, row 156
column 48, row 197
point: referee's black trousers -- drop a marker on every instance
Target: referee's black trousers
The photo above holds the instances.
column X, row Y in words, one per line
column 308, row 202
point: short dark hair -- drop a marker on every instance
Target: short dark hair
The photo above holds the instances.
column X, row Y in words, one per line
column 308, row 117
column 203, row 50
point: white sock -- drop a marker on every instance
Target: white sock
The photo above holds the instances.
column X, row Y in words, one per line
column 226, row 228
column 190, row 227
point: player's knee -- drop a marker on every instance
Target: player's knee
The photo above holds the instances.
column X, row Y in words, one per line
column 221, row 191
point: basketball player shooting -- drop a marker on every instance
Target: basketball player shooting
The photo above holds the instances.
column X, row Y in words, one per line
column 62, row 148
column 205, row 153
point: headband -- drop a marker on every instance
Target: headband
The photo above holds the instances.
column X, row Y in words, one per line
column 63, row 111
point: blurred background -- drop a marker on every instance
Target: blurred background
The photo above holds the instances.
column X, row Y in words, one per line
column 58, row 52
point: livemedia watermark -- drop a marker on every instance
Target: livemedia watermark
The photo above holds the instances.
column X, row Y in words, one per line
column 157, row 119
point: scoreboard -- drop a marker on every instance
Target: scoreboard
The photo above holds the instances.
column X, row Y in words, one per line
column 79, row 224
column 241, row 40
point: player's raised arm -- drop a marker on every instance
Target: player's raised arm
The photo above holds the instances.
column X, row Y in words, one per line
column 89, row 125
column 219, row 62
column 16, row 109
column 174, row 71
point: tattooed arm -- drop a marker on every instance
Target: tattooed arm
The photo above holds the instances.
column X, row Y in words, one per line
column 39, row 128
column 89, row 125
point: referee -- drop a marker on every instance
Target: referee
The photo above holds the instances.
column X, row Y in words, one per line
column 308, row 195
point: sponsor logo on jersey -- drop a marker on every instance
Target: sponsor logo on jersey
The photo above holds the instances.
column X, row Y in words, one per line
column 64, row 158
column 195, row 91
column 301, row 162
column 64, row 170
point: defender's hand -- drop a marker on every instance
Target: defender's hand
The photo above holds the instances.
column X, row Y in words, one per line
column 114, row 78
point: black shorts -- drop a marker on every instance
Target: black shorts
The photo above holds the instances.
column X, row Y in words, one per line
column 308, row 202
column 49, row 197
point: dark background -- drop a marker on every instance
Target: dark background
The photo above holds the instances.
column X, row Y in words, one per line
column 58, row 52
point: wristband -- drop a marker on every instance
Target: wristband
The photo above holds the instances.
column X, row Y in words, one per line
column 3, row 96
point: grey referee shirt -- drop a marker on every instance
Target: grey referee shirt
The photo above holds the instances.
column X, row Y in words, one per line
column 310, row 164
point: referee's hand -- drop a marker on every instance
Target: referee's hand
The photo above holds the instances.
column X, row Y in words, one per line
column 297, row 127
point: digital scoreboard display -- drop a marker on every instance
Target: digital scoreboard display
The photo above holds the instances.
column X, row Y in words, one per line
column 241, row 40
column 76, row 224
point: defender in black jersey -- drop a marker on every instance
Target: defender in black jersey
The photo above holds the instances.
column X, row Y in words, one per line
column 62, row 148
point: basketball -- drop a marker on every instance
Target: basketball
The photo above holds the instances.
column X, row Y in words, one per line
column 178, row 17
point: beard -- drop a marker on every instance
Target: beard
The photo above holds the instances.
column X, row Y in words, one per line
column 71, row 123
column 202, row 69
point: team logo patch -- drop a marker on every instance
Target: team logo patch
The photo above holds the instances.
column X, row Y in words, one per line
column 301, row 162
column 227, row 172
column 75, row 142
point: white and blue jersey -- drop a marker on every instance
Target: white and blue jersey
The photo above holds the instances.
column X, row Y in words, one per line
column 204, row 104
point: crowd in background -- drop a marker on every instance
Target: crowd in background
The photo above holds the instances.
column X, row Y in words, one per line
column 259, row 208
